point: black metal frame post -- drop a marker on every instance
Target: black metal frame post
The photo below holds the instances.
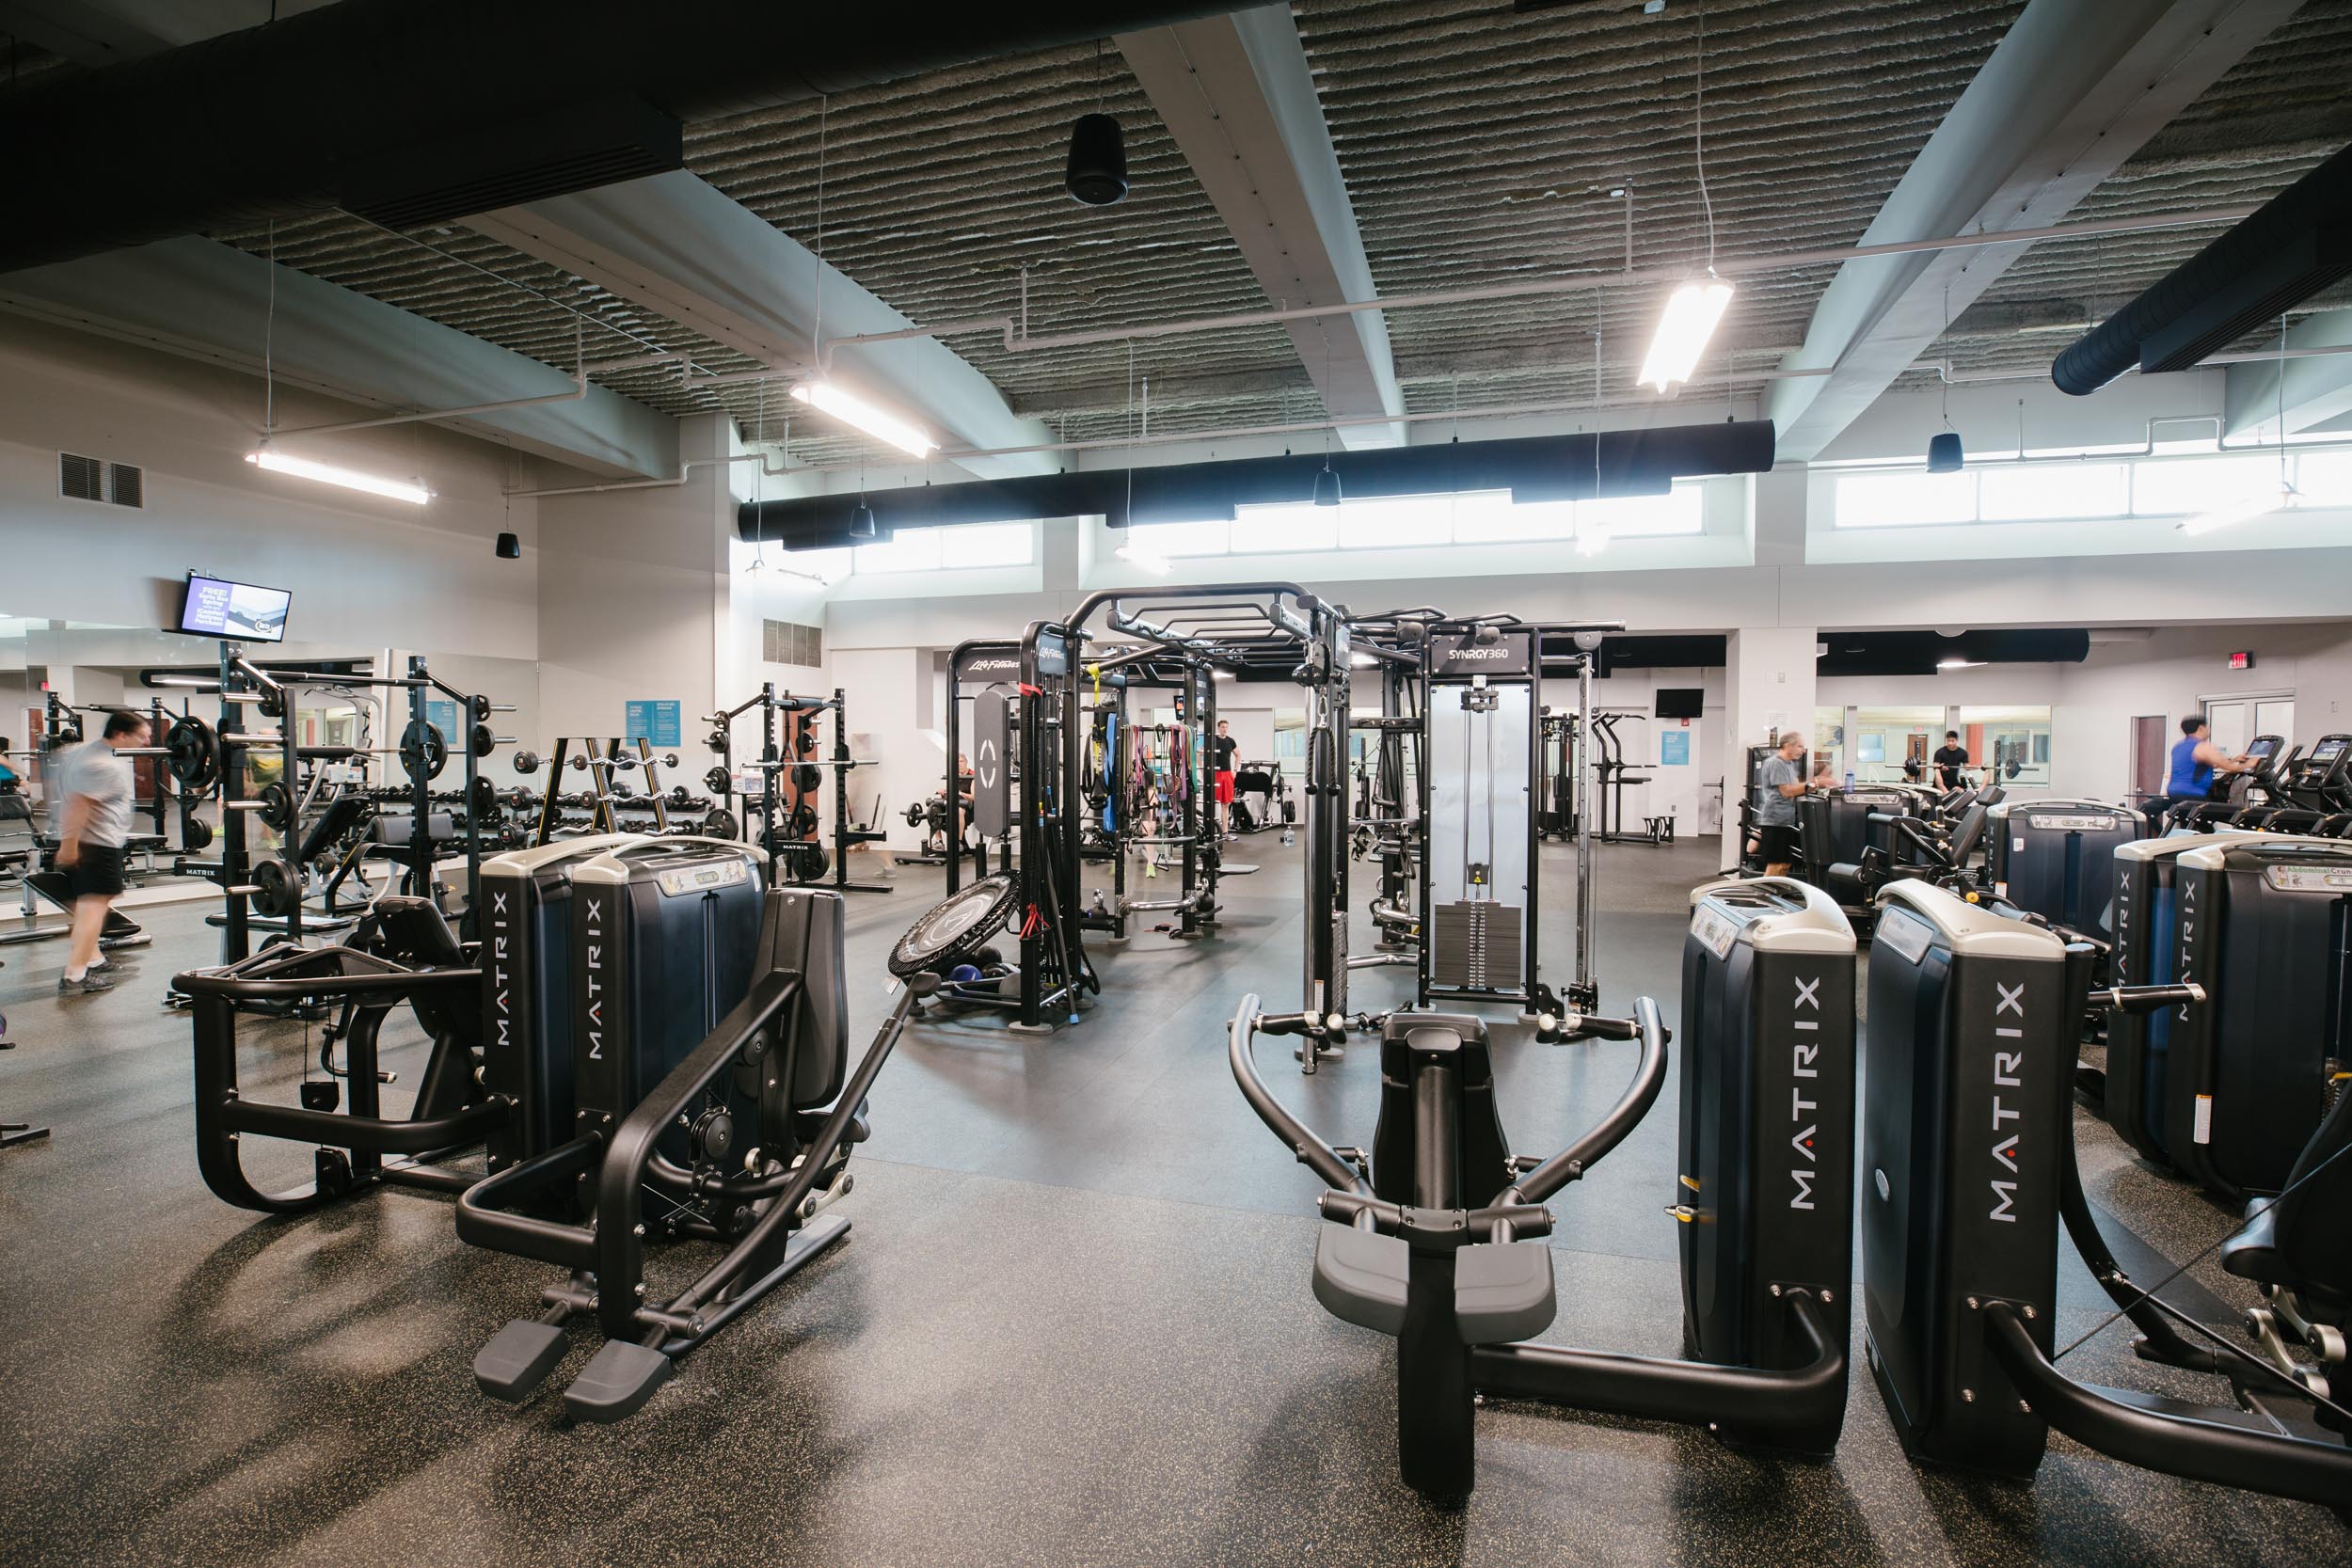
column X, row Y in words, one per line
column 845, row 833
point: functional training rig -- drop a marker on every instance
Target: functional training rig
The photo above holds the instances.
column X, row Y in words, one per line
column 791, row 774
column 1969, row 1170
column 1436, row 1236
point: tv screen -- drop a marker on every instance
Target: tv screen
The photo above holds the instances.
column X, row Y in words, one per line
column 1682, row 701
column 213, row 608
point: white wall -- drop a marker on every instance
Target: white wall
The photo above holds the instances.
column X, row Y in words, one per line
column 380, row 572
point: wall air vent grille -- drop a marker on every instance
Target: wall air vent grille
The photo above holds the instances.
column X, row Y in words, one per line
column 94, row 479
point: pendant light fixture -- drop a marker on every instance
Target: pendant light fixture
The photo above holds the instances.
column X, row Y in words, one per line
column 1693, row 308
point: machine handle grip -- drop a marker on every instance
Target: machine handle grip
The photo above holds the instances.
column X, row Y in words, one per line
column 2146, row 999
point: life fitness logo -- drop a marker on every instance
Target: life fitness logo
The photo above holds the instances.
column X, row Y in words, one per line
column 2008, row 1074
column 1804, row 1167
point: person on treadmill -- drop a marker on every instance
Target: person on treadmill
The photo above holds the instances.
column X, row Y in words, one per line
column 2195, row 760
column 1221, row 748
column 1776, row 811
column 1952, row 761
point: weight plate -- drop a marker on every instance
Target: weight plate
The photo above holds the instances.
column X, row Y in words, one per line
column 485, row 742
column 678, row 796
column 802, row 820
column 193, row 754
column 957, row 927
column 423, row 751
column 195, row 836
column 716, row 781
column 805, row 777
column 720, row 824
column 278, row 806
column 804, row 740
column 526, row 762
column 280, row 887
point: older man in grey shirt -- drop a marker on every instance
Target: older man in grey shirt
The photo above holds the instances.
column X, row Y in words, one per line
column 95, row 783
column 1776, row 805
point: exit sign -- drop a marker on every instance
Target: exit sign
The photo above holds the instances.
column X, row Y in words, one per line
column 2242, row 662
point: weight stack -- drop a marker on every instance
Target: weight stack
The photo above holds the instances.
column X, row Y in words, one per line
column 525, row 903
column 666, row 931
column 1475, row 946
column 1970, row 1064
column 1765, row 1183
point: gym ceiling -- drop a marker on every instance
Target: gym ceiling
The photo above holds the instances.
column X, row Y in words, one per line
column 1480, row 143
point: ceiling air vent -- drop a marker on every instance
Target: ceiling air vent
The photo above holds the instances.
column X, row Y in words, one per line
column 93, row 478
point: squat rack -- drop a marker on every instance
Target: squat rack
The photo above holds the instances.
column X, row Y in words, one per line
column 781, row 717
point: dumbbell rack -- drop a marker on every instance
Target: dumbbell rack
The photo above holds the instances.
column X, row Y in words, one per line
column 602, row 760
column 785, row 722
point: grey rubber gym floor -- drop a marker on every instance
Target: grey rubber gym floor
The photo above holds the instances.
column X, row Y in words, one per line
column 1070, row 1325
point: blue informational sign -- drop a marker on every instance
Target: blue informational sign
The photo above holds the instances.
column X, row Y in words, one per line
column 1674, row 749
column 652, row 720
column 441, row 713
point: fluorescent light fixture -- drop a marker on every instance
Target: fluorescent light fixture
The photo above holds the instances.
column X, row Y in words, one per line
column 1592, row 535
column 852, row 410
column 1135, row 556
column 1224, row 675
column 1961, row 663
column 350, row 479
column 2259, row 505
column 1692, row 312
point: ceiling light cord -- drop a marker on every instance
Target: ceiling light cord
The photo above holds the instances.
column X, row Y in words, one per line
column 817, row 327
column 1699, row 141
column 269, row 332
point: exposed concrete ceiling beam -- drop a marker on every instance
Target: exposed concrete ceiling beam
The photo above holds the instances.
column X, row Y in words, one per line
column 212, row 302
column 1236, row 93
column 2068, row 95
column 2317, row 390
column 684, row 250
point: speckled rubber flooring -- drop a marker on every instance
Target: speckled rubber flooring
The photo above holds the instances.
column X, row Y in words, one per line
column 1072, row 1326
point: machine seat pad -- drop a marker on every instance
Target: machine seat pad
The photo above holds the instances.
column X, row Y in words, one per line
column 1843, row 882
column 1502, row 1291
column 1361, row 1276
column 517, row 1359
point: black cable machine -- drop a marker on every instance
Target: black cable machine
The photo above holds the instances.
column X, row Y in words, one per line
column 1435, row 1236
column 1969, row 1163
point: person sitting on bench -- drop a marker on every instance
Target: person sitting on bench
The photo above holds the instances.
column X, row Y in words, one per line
column 97, row 786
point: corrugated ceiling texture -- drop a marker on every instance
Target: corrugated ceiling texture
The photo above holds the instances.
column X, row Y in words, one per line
column 460, row 279
column 2281, row 111
column 939, row 189
column 1480, row 147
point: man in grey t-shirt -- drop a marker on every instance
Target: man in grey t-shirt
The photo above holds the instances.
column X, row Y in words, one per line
column 95, row 787
column 1776, row 805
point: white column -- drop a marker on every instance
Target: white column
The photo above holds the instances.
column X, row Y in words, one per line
column 1768, row 689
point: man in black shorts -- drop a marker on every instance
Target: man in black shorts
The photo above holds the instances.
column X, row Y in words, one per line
column 1781, row 782
column 1221, row 748
column 96, row 785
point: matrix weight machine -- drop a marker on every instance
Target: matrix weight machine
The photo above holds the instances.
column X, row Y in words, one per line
column 1479, row 894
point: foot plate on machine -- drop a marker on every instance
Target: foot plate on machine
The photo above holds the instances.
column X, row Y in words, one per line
column 616, row 1383
column 517, row 1359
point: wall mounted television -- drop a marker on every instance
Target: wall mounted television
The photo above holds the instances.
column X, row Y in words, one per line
column 243, row 612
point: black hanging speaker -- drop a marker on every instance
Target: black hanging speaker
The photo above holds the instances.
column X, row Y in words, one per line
column 862, row 522
column 1327, row 485
column 1098, row 161
column 510, row 548
column 1944, row 456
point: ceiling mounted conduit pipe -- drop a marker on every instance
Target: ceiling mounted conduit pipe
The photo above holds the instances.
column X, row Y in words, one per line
column 685, row 469
column 2294, row 245
column 417, row 111
column 1532, row 469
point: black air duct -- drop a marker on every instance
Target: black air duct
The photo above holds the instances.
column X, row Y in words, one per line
column 1918, row 653
column 444, row 100
column 1532, row 469
column 2294, row 245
